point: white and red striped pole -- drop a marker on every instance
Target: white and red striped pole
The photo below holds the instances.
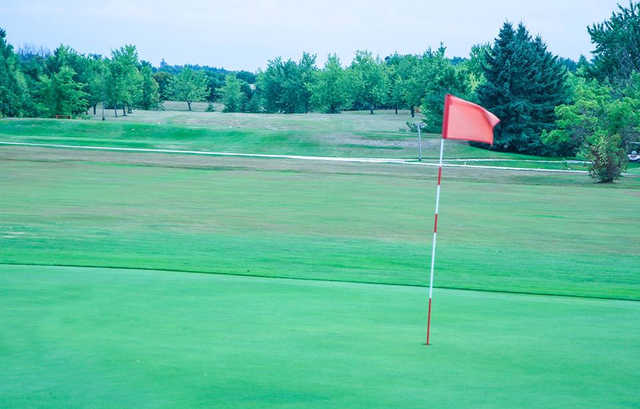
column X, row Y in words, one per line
column 435, row 234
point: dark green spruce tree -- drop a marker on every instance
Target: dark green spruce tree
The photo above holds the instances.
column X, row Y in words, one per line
column 524, row 83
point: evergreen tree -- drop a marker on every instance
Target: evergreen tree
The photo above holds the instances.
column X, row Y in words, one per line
column 524, row 83
column 550, row 90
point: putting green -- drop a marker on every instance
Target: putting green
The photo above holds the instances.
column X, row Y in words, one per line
column 109, row 338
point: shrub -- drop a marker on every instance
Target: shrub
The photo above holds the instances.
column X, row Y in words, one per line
column 608, row 157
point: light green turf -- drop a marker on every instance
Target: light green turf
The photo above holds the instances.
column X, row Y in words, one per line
column 273, row 134
column 100, row 338
column 512, row 231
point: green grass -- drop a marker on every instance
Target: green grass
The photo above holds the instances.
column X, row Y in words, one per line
column 525, row 164
column 507, row 231
column 76, row 336
column 302, row 136
column 102, row 338
column 634, row 168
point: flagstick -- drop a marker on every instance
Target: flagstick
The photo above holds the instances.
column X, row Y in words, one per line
column 435, row 233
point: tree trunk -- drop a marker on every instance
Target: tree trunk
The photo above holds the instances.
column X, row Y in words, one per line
column 103, row 111
column 124, row 112
column 413, row 111
column 396, row 110
column 371, row 110
column 115, row 111
column 189, row 105
column 94, row 108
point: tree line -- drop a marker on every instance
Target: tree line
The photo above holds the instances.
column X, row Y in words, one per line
column 548, row 105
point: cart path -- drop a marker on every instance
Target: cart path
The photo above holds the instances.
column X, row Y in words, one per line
column 411, row 162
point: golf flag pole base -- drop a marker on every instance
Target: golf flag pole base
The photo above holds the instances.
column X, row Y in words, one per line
column 428, row 322
column 435, row 236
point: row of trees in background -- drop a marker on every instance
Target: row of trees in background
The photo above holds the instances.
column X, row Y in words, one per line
column 66, row 83
column 38, row 83
column 367, row 83
column 121, row 81
column 548, row 105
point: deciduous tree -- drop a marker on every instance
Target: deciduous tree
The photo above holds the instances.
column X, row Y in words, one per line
column 599, row 124
column 617, row 41
column 395, row 96
column 367, row 80
column 150, row 96
column 285, row 84
column 440, row 77
column 115, row 84
column 189, row 86
column 233, row 98
column 61, row 95
column 96, row 88
column 329, row 91
column 164, row 80
column 12, row 86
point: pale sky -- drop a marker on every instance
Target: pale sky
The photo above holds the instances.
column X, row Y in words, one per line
column 245, row 34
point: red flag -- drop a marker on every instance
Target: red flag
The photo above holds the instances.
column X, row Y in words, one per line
column 467, row 121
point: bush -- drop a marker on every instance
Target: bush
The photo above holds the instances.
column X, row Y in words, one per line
column 210, row 107
column 413, row 127
column 254, row 105
column 608, row 158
